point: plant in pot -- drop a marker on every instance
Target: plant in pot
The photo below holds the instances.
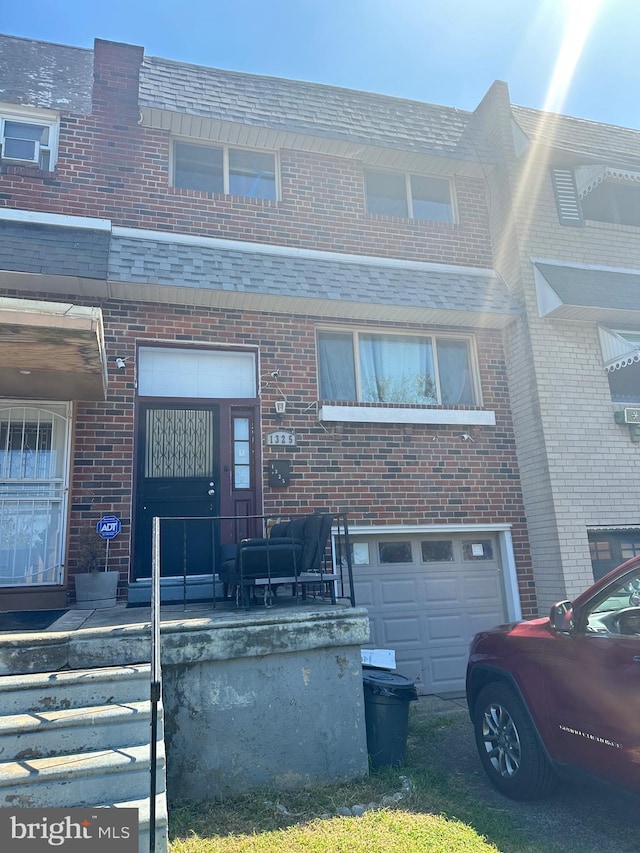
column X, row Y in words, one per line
column 96, row 587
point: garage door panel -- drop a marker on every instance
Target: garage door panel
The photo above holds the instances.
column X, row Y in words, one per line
column 448, row 669
column 441, row 590
column 399, row 591
column 480, row 620
column 401, row 630
column 487, row 587
column 411, row 666
column 365, row 592
column 428, row 612
column 447, row 626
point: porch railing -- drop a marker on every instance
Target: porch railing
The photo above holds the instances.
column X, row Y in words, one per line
column 219, row 536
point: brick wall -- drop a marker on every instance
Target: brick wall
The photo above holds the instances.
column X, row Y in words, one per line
column 378, row 473
column 109, row 166
column 578, row 468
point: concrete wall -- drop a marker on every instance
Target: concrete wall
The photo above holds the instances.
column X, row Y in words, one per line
column 278, row 705
column 251, row 699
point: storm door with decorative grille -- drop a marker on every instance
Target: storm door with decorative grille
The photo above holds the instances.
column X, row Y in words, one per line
column 34, row 465
column 178, row 473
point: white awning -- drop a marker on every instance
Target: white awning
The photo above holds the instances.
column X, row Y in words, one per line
column 589, row 177
column 51, row 350
column 617, row 351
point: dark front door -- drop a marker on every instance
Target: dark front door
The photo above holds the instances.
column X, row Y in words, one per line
column 178, row 481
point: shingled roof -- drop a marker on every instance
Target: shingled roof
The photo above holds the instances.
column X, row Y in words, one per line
column 309, row 108
column 313, row 284
column 44, row 75
column 590, row 139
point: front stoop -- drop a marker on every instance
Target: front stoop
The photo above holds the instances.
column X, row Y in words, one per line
column 81, row 738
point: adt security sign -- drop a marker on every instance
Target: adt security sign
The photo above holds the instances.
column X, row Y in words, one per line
column 108, row 527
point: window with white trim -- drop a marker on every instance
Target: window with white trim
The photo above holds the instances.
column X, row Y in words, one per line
column 368, row 367
column 28, row 141
column 410, row 196
column 221, row 169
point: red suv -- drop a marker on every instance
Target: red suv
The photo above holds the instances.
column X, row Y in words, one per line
column 562, row 693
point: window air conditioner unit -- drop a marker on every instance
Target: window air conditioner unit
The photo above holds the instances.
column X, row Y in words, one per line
column 632, row 416
column 16, row 150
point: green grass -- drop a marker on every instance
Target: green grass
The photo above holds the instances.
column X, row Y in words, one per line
column 437, row 815
column 375, row 832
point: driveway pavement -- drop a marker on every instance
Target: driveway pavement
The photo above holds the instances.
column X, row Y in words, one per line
column 577, row 818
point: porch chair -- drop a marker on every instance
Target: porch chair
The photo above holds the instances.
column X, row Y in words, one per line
column 293, row 547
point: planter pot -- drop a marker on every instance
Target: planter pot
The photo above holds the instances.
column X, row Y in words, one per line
column 96, row 589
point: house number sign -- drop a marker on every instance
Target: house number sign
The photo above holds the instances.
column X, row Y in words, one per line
column 281, row 438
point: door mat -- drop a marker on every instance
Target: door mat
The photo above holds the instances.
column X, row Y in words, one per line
column 28, row 620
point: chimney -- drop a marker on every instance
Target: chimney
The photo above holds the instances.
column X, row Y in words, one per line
column 116, row 81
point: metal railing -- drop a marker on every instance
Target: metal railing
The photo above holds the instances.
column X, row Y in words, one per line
column 198, row 568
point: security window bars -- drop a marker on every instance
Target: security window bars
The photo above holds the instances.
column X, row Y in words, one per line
column 180, row 443
column 403, row 369
column 409, row 196
column 33, row 471
column 220, row 169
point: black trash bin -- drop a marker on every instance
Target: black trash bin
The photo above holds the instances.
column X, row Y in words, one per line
column 386, row 713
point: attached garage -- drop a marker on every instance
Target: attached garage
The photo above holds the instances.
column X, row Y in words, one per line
column 429, row 590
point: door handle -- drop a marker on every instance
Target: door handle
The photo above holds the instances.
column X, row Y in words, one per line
column 211, row 492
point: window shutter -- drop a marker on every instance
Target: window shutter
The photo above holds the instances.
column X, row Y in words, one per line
column 564, row 186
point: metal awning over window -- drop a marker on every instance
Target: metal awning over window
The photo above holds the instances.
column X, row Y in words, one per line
column 588, row 293
column 618, row 350
column 51, row 351
column 589, row 177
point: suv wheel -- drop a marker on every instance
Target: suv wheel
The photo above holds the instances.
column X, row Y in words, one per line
column 508, row 745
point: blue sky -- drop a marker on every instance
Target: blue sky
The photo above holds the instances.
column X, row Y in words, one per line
column 583, row 52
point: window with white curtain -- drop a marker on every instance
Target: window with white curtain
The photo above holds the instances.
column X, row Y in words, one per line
column 368, row 367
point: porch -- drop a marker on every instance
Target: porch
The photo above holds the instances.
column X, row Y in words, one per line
column 270, row 695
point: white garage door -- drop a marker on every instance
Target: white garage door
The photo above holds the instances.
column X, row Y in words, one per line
column 427, row 596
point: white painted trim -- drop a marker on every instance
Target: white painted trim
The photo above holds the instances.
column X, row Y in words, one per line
column 293, row 252
column 39, row 218
column 63, row 221
column 548, row 299
column 400, row 415
column 509, row 577
column 380, row 529
column 505, row 545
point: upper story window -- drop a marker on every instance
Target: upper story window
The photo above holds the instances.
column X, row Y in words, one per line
column 27, row 142
column 598, row 193
column 366, row 367
column 612, row 201
column 411, row 196
column 220, row 169
column 621, row 352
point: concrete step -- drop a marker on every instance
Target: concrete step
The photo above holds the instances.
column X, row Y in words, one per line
column 73, row 688
column 76, row 730
column 162, row 821
column 79, row 780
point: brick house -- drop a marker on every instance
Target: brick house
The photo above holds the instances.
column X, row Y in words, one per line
column 193, row 261
column 565, row 222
